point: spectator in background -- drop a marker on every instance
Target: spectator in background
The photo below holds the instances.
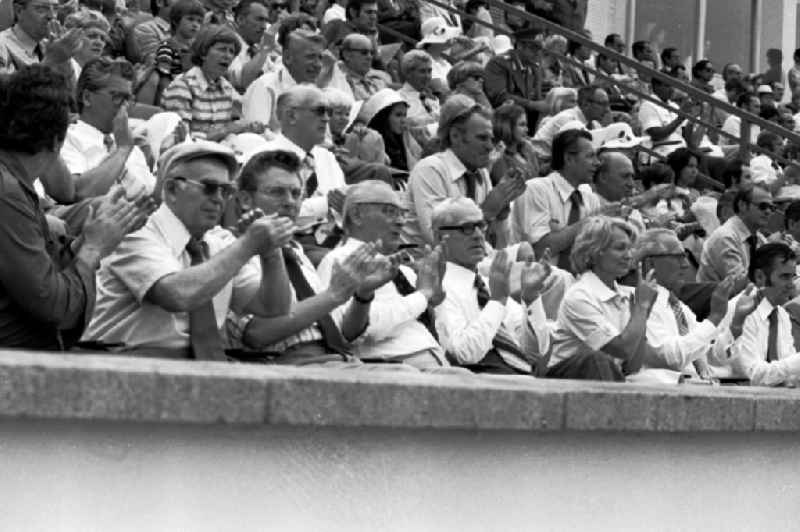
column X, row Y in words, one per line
column 173, row 56
column 362, row 17
column 361, row 143
column 702, row 74
column 670, row 59
column 774, row 73
column 47, row 284
column 302, row 51
column 357, row 52
column 202, row 96
column 423, row 107
column 515, row 76
column 167, row 288
column 95, row 37
column 793, row 75
column 258, row 45
column 662, row 125
column 574, row 74
column 614, row 183
column 767, row 97
column 99, row 150
column 552, row 69
column 385, row 112
column 733, row 124
column 762, row 166
column 518, row 155
column 149, row 34
column 558, row 99
column 480, row 326
column 601, row 331
column 466, row 77
column 790, row 235
column 730, row 248
column 643, row 52
column 436, row 38
column 336, row 11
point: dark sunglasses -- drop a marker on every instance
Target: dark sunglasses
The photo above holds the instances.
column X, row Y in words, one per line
column 466, row 228
column 765, row 206
column 319, row 110
column 210, row 189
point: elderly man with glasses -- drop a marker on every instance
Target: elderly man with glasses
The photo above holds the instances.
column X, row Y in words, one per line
column 354, row 72
column 730, row 248
column 167, row 289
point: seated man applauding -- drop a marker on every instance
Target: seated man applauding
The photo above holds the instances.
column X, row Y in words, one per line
column 400, row 318
column 479, row 325
column 167, row 288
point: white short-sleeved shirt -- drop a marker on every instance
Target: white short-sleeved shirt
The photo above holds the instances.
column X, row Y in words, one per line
column 733, row 126
column 545, row 207
column 261, row 97
column 652, row 115
column 121, row 313
column 84, row 149
column 591, row 315
column 325, row 166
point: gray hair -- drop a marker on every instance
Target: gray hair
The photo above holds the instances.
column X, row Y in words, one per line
column 594, row 237
column 555, row 99
column 338, row 97
column 87, row 18
column 412, row 60
column 295, row 96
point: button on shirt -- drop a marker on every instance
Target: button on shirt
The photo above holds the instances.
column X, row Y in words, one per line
column 201, row 103
column 17, row 50
column 726, row 251
column 324, row 164
column 545, row 207
column 466, row 332
column 433, row 179
column 749, row 351
column 85, row 148
column 158, row 249
column 394, row 332
column 261, row 97
column 591, row 315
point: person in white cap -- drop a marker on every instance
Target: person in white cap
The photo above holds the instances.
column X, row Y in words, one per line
column 593, row 106
column 385, row 112
column 766, row 95
column 401, row 324
column 436, row 37
column 167, row 288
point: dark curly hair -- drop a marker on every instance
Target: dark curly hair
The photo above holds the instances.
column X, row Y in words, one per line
column 34, row 109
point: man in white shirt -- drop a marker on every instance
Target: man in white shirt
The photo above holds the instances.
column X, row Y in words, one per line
column 548, row 214
column 354, row 73
column 459, row 170
column 302, row 63
column 765, row 352
column 762, row 166
column 423, row 106
column 614, row 182
column 675, row 338
column 733, row 124
column 662, row 125
column 303, row 112
column 252, row 20
column 401, row 316
column 730, row 248
column 324, row 319
column 24, row 43
column 480, row 326
column 99, row 149
column 167, row 288
column 593, row 104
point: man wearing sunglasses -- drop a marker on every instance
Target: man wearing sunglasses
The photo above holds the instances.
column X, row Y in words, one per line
column 166, row 290
column 99, row 149
column 730, row 248
column 480, row 326
column 355, row 68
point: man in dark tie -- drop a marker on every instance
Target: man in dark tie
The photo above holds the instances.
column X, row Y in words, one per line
column 323, row 319
column 252, row 19
column 167, row 288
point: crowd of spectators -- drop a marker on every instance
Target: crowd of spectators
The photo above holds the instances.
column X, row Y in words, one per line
column 382, row 185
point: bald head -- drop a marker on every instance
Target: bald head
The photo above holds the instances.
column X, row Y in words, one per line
column 614, row 178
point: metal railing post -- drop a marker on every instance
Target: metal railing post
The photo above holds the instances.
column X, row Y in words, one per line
column 744, row 140
column 700, row 30
column 755, row 34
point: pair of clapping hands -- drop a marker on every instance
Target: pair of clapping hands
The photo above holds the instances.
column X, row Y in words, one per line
column 532, row 276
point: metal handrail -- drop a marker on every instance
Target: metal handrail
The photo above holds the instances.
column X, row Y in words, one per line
column 694, row 92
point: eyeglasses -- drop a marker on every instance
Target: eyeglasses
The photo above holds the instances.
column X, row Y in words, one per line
column 279, row 192
column 118, row 98
column 390, row 211
column 363, row 51
column 466, row 228
column 765, row 206
column 209, row 188
column 321, row 111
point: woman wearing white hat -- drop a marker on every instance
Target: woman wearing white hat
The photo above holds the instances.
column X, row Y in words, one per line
column 385, row 112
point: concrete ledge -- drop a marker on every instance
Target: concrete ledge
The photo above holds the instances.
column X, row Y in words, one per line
column 112, row 388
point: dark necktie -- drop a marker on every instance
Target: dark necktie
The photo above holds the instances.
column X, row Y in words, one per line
column 331, row 335
column 311, row 181
column 576, row 201
column 772, row 339
column 204, row 334
column 471, row 181
column 503, row 339
column 37, row 51
column 252, row 50
column 426, row 102
column 752, row 244
column 405, row 288
column 680, row 316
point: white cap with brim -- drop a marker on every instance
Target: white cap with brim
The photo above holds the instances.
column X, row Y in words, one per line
column 435, row 30
column 764, row 89
column 616, row 136
column 370, row 191
column 188, row 151
column 377, row 102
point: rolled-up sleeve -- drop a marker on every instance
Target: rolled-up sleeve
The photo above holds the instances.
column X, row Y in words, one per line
column 586, row 319
column 140, row 261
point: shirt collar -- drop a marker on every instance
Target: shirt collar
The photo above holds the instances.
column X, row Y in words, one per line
column 460, row 274
column 203, row 82
column 289, row 145
column 89, row 129
column 453, row 164
column 562, row 186
column 18, row 171
column 27, row 42
column 600, row 289
column 764, row 309
column 175, row 233
column 408, row 89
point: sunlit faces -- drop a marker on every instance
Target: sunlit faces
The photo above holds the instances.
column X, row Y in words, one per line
column 379, row 221
column 303, row 58
column 253, row 24
column 397, row 118
column 35, row 16
column 615, row 260
column 463, row 235
column 189, row 197
column 218, row 59
column 615, row 181
column 756, row 213
column 473, row 141
column 188, row 27
column 581, row 163
column 279, row 192
column 94, row 42
column 419, row 76
column 778, row 286
column 101, row 106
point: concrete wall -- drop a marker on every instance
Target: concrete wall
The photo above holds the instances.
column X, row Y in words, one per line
column 60, row 476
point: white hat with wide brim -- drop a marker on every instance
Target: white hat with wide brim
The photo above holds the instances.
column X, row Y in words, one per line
column 435, row 30
column 377, row 102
